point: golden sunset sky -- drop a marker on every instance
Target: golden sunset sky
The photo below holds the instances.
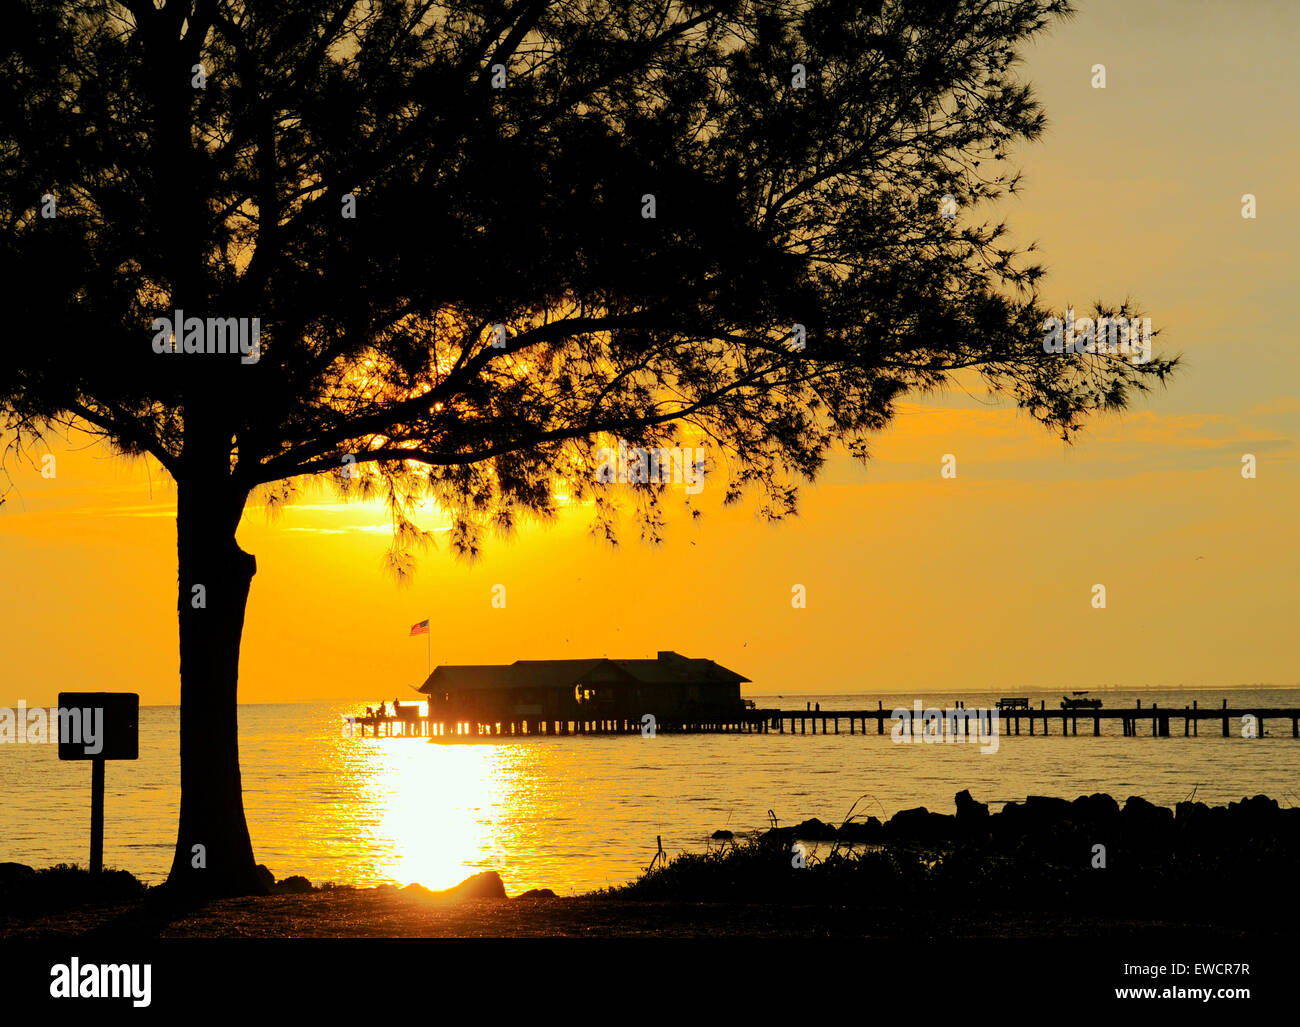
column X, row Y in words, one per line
column 913, row 582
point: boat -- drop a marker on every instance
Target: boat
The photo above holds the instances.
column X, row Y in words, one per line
column 1080, row 704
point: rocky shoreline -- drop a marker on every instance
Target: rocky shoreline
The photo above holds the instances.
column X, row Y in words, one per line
column 1137, row 822
column 1044, row 853
column 1088, row 864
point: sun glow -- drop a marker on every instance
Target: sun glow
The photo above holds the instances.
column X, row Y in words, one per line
column 434, row 808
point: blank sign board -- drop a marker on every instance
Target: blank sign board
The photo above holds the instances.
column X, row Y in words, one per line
column 98, row 726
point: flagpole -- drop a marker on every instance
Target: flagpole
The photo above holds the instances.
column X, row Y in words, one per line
column 428, row 648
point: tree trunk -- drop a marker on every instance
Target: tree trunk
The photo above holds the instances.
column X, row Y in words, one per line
column 214, row 856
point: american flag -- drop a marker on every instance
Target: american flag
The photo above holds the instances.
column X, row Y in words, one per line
column 420, row 629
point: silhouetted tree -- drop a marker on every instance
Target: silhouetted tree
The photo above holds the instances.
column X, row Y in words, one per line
column 501, row 161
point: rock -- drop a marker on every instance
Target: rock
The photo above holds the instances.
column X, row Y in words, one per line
column 920, row 825
column 1037, row 817
column 12, row 872
column 537, row 893
column 1143, row 816
column 870, row 830
column 1260, row 818
column 1259, row 810
column 295, row 885
column 265, row 876
column 778, row 836
column 487, row 885
column 903, row 816
column 968, row 810
column 722, row 836
column 1047, row 809
column 1215, row 822
column 814, row 831
column 1097, row 808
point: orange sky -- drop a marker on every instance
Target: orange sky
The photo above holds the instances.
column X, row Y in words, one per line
column 913, row 581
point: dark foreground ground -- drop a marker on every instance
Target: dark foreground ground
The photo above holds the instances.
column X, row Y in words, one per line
column 387, row 913
column 1046, row 868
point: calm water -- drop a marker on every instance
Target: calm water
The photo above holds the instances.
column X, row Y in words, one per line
column 573, row 814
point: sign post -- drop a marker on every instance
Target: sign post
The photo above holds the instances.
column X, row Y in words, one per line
column 98, row 726
column 96, row 815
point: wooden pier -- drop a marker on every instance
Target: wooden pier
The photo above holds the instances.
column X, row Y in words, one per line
column 1152, row 721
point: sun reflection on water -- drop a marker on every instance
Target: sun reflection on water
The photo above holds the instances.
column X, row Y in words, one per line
column 436, row 809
